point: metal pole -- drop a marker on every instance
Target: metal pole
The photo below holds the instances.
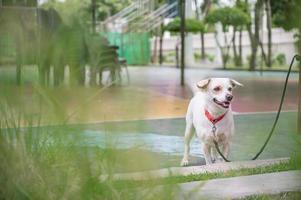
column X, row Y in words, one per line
column 182, row 11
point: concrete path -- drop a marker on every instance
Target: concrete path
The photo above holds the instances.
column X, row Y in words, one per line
column 238, row 187
column 193, row 170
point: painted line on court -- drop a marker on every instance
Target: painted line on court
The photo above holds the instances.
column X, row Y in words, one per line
column 262, row 112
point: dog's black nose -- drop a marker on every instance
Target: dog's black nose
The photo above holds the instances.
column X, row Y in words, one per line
column 229, row 97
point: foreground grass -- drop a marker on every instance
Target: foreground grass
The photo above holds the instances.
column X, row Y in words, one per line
column 47, row 163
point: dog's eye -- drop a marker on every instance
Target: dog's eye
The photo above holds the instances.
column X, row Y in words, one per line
column 216, row 89
column 230, row 89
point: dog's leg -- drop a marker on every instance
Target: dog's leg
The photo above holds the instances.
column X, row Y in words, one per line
column 214, row 154
column 226, row 149
column 187, row 138
column 207, row 153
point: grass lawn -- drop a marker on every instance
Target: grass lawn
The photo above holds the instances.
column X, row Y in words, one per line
column 293, row 164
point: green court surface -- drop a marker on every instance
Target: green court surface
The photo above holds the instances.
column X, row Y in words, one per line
column 160, row 142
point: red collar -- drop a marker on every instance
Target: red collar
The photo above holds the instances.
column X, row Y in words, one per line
column 212, row 119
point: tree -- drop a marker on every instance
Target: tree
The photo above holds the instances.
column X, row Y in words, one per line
column 269, row 27
column 254, row 35
column 286, row 14
column 238, row 53
column 205, row 7
column 227, row 16
column 191, row 25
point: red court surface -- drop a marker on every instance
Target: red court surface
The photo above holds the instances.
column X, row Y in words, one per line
column 261, row 93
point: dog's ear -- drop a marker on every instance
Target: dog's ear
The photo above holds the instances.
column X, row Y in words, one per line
column 203, row 83
column 235, row 83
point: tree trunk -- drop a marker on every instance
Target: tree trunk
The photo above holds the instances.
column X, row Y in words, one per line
column 254, row 38
column 299, row 106
column 226, row 49
column 161, row 45
column 269, row 27
column 224, row 55
column 240, row 48
column 58, row 75
column 154, row 57
column 177, row 56
column 203, row 54
column 161, row 49
column 93, row 72
column 252, row 61
column 235, row 55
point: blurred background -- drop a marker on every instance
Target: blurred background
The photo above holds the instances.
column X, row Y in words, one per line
column 93, row 87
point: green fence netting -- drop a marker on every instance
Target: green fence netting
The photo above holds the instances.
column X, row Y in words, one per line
column 134, row 47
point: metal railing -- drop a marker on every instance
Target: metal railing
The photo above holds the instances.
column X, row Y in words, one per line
column 141, row 10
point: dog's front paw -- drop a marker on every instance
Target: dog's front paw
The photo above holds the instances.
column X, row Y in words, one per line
column 184, row 162
column 218, row 160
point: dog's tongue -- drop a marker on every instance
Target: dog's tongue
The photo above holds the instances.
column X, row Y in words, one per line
column 226, row 103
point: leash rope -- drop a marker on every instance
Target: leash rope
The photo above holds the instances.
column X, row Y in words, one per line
column 296, row 57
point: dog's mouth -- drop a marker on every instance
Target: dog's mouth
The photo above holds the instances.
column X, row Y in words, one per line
column 224, row 104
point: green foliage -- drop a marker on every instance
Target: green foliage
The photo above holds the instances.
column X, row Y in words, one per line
column 105, row 8
column 281, row 59
column 242, row 5
column 286, row 13
column 228, row 16
column 197, row 56
column 192, row 25
column 81, row 9
column 70, row 10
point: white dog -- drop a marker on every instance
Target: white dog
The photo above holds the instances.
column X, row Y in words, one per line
column 209, row 113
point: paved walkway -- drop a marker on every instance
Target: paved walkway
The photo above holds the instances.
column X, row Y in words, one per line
column 243, row 186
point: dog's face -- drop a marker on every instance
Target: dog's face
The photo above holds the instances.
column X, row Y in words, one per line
column 219, row 90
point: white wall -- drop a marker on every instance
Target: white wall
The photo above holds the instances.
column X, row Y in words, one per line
column 283, row 42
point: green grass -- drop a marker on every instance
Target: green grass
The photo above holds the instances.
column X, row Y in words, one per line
column 281, row 196
column 46, row 163
column 293, row 164
column 275, row 67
